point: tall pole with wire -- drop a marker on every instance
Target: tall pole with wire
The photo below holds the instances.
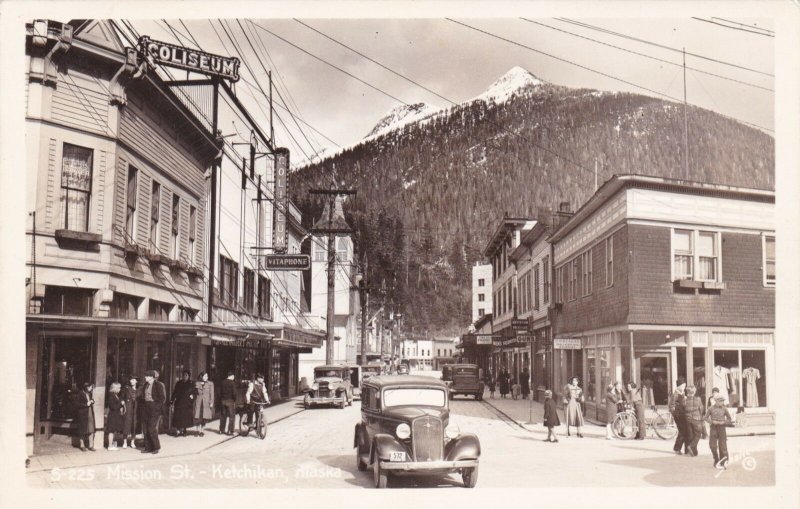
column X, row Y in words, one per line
column 685, row 123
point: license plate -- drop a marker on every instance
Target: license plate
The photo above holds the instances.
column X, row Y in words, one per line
column 397, row 456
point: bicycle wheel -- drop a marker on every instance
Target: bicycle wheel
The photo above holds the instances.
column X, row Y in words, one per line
column 624, row 426
column 665, row 427
column 244, row 425
column 261, row 426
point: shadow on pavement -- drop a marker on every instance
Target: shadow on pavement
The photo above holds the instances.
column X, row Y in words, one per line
column 352, row 476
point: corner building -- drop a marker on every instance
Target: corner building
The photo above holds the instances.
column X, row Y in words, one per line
column 657, row 279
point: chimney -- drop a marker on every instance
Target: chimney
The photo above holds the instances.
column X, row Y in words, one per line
column 562, row 215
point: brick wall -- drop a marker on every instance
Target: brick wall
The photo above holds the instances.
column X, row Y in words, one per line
column 604, row 306
column 745, row 302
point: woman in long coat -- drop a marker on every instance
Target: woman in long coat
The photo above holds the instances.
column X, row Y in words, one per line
column 115, row 416
column 183, row 404
column 504, row 381
column 130, row 396
column 203, row 402
column 525, row 383
column 573, row 396
column 84, row 416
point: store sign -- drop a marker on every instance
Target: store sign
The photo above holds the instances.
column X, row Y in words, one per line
column 164, row 53
column 522, row 332
column 518, row 323
column 280, row 204
column 567, row 343
column 483, row 339
column 286, row 262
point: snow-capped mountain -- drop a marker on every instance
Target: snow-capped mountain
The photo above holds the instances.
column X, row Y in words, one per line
column 511, row 83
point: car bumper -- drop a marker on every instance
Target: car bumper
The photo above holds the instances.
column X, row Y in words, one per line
column 411, row 466
column 324, row 401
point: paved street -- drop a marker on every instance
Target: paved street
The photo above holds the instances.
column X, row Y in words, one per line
column 314, row 448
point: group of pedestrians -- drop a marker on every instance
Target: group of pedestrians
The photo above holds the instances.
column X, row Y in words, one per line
column 688, row 411
column 616, row 398
column 517, row 387
column 192, row 404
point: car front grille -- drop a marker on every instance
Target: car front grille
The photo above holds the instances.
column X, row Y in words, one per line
column 427, row 438
column 324, row 390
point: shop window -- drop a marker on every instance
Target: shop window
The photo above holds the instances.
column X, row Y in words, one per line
column 186, row 314
column 66, row 364
column 159, row 311
column 130, row 204
column 119, row 360
column 124, row 306
column 740, row 376
column 769, row 260
column 76, row 186
column 754, row 378
column 155, row 213
column 174, row 238
column 699, row 370
column 63, row 300
column 590, row 383
column 183, row 362
column 586, row 273
column 654, row 374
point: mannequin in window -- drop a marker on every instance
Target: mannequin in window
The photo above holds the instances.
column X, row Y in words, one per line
column 750, row 376
column 722, row 382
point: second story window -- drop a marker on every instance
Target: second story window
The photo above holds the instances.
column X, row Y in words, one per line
column 573, row 279
column 192, row 232
column 696, row 255
column 536, row 287
column 263, row 303
column 174, row 238
column 76, row 186
column 228, row 281
column 155, row 213
column 130, row 205
column 481, row 282
column 559, row 285
column 586, row 275
column 684, row 254
column 249, row 290
column 481, row 297
column 546, row 279
column 769, row 260
column 609, row 261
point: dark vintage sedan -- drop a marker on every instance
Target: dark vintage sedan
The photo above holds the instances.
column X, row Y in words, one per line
column 331, row 387
column 405, row 429
column 466, row 379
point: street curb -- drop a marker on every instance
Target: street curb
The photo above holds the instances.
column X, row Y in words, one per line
column 145, row 457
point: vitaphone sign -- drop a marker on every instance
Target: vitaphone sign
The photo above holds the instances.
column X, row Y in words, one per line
column 191, row 60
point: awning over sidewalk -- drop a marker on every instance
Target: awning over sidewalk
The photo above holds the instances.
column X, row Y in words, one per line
column 295, row 337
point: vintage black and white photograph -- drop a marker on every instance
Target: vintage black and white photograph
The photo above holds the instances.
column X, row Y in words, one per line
column 428, row 252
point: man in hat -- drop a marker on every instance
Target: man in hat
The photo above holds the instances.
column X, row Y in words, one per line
column 228, row 396
column 154, row 395
column 718, row 417
column 679, row 414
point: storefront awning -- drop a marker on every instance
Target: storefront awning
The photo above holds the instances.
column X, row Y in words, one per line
column 291, row 336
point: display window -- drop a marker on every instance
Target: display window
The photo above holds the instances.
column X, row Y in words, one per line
column 740, row 376
column 655, row 375
column 604, row 359
column 119, row 360
column 590, row 382
column 66, row 366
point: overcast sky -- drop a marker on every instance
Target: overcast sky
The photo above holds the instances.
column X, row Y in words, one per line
column 459, row 63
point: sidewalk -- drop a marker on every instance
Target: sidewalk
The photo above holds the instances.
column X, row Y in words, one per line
column 171, row 446
column 521, row 411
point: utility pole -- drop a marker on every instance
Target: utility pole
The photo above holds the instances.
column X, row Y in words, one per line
column 595, row 174
column 363, row 295
column 330, row 228
column 212, row 237
column 685, row 122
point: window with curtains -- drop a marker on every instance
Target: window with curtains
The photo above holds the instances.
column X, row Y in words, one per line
column 696, row 255
column 76, row 186
column 130, row 206
column 228, row 281
column 769, row 260
column 192, row 232
column 155, row 213
column 174, row 238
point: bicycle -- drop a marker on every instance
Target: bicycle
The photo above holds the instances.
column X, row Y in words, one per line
column 260, row 424
column 625, row 425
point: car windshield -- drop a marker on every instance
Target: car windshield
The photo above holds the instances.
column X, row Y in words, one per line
column 327, row 373
column 465, row 371
column 372, row 369
column 413, row 396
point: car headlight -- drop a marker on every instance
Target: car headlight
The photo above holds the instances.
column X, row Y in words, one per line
column 403, row 431
column 452, row 431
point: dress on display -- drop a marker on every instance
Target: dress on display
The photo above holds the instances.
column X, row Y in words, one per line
column 735, row 377
column 574, row 413
column 750, row 376
column 721, row 379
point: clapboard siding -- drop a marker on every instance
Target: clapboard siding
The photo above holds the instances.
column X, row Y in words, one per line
column 165, row 221
column 137, row 130
column 80, row 102
column 119, row 198
column 99, row 190
column 51, row 185
column 184, row 230
column 199, row 241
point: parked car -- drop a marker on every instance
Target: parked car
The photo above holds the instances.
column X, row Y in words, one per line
column 331, row 387
column 405, row 429
column 403, row 369
column 463, row 379
column 371, row 369
column 356, row 374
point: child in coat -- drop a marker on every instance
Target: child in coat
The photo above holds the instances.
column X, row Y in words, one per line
column 516, row 389
column 550, row 416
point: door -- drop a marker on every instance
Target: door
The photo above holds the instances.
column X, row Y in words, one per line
column 66, row 364
column 653, row 368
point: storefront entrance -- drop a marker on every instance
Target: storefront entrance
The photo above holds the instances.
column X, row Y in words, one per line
column 66, row 364
column 653, row 371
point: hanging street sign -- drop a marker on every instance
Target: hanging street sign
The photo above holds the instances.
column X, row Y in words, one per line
column 285, row 262
column 280, row 205
column 164, row 53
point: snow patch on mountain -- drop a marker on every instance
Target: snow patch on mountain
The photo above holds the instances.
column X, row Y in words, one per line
column 401, row 115
column 509, row 85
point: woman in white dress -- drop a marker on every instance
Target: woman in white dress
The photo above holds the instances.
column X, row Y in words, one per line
column 573, row 396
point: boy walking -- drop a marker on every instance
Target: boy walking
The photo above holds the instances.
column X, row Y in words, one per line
column 717, row 416
column 550, row 416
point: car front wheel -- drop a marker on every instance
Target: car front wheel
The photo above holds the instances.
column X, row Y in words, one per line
column 470, row 477
column 380, row 476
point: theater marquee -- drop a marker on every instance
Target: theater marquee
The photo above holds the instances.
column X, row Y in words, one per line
column 171, row 55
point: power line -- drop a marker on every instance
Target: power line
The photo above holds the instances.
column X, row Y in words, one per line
column 732, row 28
column 589, row 68
column 644, row 41
column 744, row 24
column 647, row 56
